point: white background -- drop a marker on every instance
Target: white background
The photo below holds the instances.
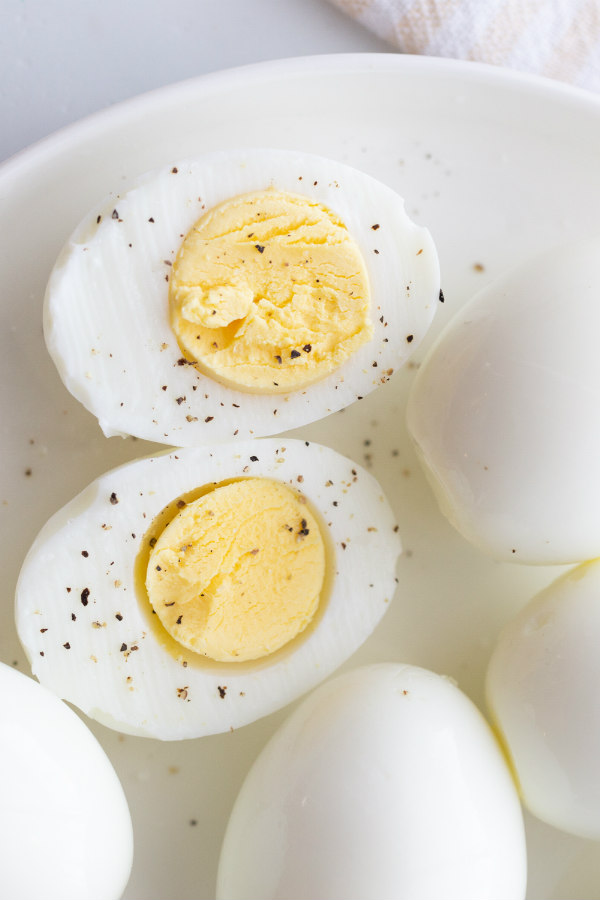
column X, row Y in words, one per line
column 61, row 60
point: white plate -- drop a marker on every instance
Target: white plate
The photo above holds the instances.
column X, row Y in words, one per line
column 498, row 166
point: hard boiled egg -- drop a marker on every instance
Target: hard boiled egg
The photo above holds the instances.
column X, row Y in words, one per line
column 504, row 411
column 65, row 825
column 193, row 592
column 542, row 687
column 385, row 782
column 242, row 293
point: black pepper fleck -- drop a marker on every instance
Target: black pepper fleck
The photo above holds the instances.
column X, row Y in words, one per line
column 114, row 499
column 85, row 596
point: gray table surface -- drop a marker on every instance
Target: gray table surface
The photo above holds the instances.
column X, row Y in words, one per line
column 61, row 60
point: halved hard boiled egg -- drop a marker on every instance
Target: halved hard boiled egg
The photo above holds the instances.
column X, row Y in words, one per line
column 196, row 591
column 239, row 294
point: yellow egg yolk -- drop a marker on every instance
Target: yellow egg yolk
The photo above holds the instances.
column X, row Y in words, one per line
column 238, row 573
column 269, row 292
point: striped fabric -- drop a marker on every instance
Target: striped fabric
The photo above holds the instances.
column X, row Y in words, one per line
column 556, row 38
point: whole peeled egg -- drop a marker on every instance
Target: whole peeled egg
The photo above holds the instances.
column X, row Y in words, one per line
column 242, row 293
column 66, row 828
column 542, row 689
column 195, row 591
column 385, row 782
column 504, row 411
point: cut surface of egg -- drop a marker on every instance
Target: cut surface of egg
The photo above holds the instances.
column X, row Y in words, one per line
column 195, row 591
column 542, row 688
column 65, row 823
column 385, row 782
column 239, row 294
column 504, row 411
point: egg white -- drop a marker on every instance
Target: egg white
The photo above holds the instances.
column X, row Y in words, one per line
column 65, row 827
column 542, row 688
column 385, row 782
column 504, row 411
column 106, row 310
column 76, row 603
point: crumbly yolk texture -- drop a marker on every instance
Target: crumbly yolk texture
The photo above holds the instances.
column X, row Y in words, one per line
column 269, row 293
column 238, row 573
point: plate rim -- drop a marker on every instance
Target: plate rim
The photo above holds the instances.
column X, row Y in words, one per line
column 16, row 165
column 36, row 157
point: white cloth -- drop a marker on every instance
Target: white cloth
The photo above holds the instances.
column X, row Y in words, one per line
column 556, row 38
